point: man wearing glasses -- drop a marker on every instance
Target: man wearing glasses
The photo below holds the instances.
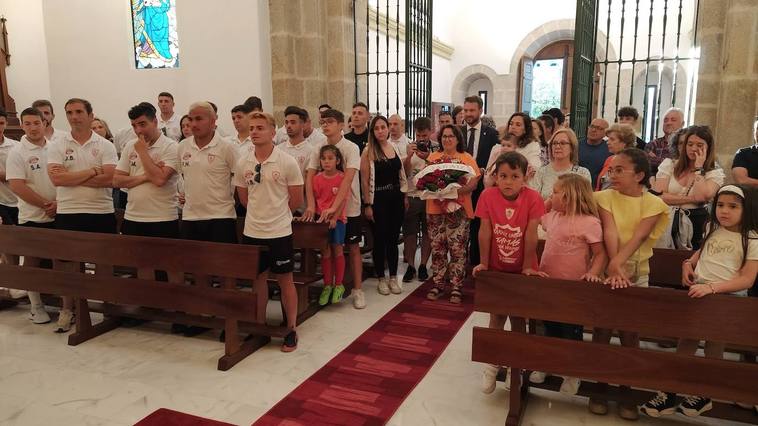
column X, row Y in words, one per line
column 592, row 149
column 270, row 179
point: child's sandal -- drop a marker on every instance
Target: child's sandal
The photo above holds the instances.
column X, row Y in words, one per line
column 456, row 297
column 434, row 294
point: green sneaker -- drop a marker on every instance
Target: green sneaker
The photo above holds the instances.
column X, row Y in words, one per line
column 323, row 300
column 339, row 290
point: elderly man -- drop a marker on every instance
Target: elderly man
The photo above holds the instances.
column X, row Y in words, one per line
column 658, row 149
column 397, row 134
column 592, row 149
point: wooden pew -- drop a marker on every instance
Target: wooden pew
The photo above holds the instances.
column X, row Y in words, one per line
column 648, row 311
column 227, row 308
column 308, row 238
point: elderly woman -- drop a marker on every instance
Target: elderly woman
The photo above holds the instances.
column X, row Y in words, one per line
column 620, row 137
column 691, row 181
column 563, row 158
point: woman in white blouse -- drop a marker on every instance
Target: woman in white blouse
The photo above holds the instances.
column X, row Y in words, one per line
column 519, row 131
column 692, row 180
column 563, row 153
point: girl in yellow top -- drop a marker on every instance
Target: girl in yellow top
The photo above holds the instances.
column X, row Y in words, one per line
column 633, row 220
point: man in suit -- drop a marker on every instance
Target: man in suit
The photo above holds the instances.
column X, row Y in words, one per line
column 479, row 142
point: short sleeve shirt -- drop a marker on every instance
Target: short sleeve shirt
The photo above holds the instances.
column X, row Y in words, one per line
column 95, row 152
column 567, row 253
column 546, row 177
column 207, row 173
column 268, row 214
column 509, row 220
column 325, row 190
column 628, row 212
column 148, row 202
column 666, row 170
column 352, row 157
column 721, row 256
column 301, row 152
column 28, row 162
column 171, row 127
column 747, row 158
column 7, row 197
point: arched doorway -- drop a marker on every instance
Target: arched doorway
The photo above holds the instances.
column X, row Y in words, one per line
column 546, row 78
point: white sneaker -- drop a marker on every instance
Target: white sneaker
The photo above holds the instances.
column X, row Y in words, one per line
column 16, row 294
column 383, row 288
column 65, row 319
column 38, row 315
column 570, row 385
column 359, row 299
column 395, row 286
column 489, row 378
column 537, row 377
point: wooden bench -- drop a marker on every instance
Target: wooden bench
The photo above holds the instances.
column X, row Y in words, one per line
column 308, row 238
column 228, row 308
column 648, row 311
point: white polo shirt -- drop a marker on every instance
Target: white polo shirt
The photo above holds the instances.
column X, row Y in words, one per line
column 171, row 127
column 7, row 197
column 268, row 212
column 352, row 158
column 316, row 138
column 58, row 134
column 147, row 202
column 281, row 136
column 208, row 178
column 243, row 146
column 301, row 152
column 97, row 151
column 28, row 162
column 123, row 137
column 402, row 144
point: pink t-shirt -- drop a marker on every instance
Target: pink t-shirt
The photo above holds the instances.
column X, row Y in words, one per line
column 567, row 251
column 509, row 220
column 325, row 190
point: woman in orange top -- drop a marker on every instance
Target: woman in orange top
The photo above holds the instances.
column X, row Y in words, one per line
column 450, row 231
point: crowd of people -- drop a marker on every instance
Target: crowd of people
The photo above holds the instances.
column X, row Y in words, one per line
column 601, row 203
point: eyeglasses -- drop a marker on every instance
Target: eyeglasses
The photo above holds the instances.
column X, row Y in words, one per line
column 257, row 177
column 560, row 143
column 594, row 127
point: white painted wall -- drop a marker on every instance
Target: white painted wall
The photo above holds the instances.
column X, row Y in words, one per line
column 223, row 46
column 28, row 75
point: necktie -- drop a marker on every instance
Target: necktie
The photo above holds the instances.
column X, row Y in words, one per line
column 470, row 145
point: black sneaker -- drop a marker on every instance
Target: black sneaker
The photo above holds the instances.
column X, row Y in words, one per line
column 193, row 330
column 662, row 404
column 290, row 342
column 422, row 274
column 409, row 275
column 694, row 406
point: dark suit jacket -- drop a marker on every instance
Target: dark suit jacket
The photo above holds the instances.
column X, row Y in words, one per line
column 487, row 140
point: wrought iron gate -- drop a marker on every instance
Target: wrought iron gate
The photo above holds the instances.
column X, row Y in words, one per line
column 642, row 53
column 386, row 80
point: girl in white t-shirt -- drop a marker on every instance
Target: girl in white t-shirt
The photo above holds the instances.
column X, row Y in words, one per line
column 727, row 262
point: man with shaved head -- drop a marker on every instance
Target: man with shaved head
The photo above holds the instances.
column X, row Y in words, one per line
column 593, row 149
column 397, row 133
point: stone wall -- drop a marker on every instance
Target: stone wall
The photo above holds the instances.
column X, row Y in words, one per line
column 727, row 92
column 313, row 54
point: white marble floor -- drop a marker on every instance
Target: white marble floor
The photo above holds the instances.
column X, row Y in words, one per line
column 124, row 375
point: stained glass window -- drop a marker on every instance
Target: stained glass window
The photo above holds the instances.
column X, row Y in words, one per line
column 156, row 43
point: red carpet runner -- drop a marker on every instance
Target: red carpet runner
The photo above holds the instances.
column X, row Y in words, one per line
column 166, row 417
column 366, row 383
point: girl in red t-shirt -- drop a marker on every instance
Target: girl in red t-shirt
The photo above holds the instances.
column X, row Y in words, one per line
column 325, row 187
column 510, row 213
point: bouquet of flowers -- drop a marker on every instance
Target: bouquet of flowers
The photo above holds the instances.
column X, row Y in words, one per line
column 440, row 181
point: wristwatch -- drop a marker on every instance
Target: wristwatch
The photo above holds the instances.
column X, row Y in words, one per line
column 700, row 170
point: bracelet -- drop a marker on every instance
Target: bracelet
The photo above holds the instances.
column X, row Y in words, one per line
column 713, row 290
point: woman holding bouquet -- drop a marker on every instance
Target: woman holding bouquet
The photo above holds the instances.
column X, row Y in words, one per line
column 383, row 183
column 448, row 225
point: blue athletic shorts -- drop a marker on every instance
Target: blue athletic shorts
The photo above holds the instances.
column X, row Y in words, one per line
column 337, row 234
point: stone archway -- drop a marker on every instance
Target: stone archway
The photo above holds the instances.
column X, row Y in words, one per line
column 466, row 76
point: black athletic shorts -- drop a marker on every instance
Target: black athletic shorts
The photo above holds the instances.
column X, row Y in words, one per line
column 353, row 230
column 9, row 215
column 279, row 258
column 168, row 229
column 104, row 223
column 212, row 230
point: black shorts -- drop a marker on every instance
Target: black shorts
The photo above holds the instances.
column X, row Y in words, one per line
column 40, row 225
column 212, row 230
column 168, row 229
column 279, row 258
column 86, row 222
column 9, row 215
column 353, row 230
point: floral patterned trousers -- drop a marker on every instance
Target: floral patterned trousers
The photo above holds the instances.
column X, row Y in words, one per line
column 449, row 233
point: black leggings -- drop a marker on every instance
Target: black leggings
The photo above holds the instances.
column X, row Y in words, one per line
column 389, row 211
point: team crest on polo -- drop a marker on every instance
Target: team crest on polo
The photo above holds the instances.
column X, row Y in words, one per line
column 509, row 212
column 276, row 176
column 249, row 177
column 95, row 151
column 133, row 159
column 69, row 155
column 211, row 157
column 186, row 159
column 34, row 163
